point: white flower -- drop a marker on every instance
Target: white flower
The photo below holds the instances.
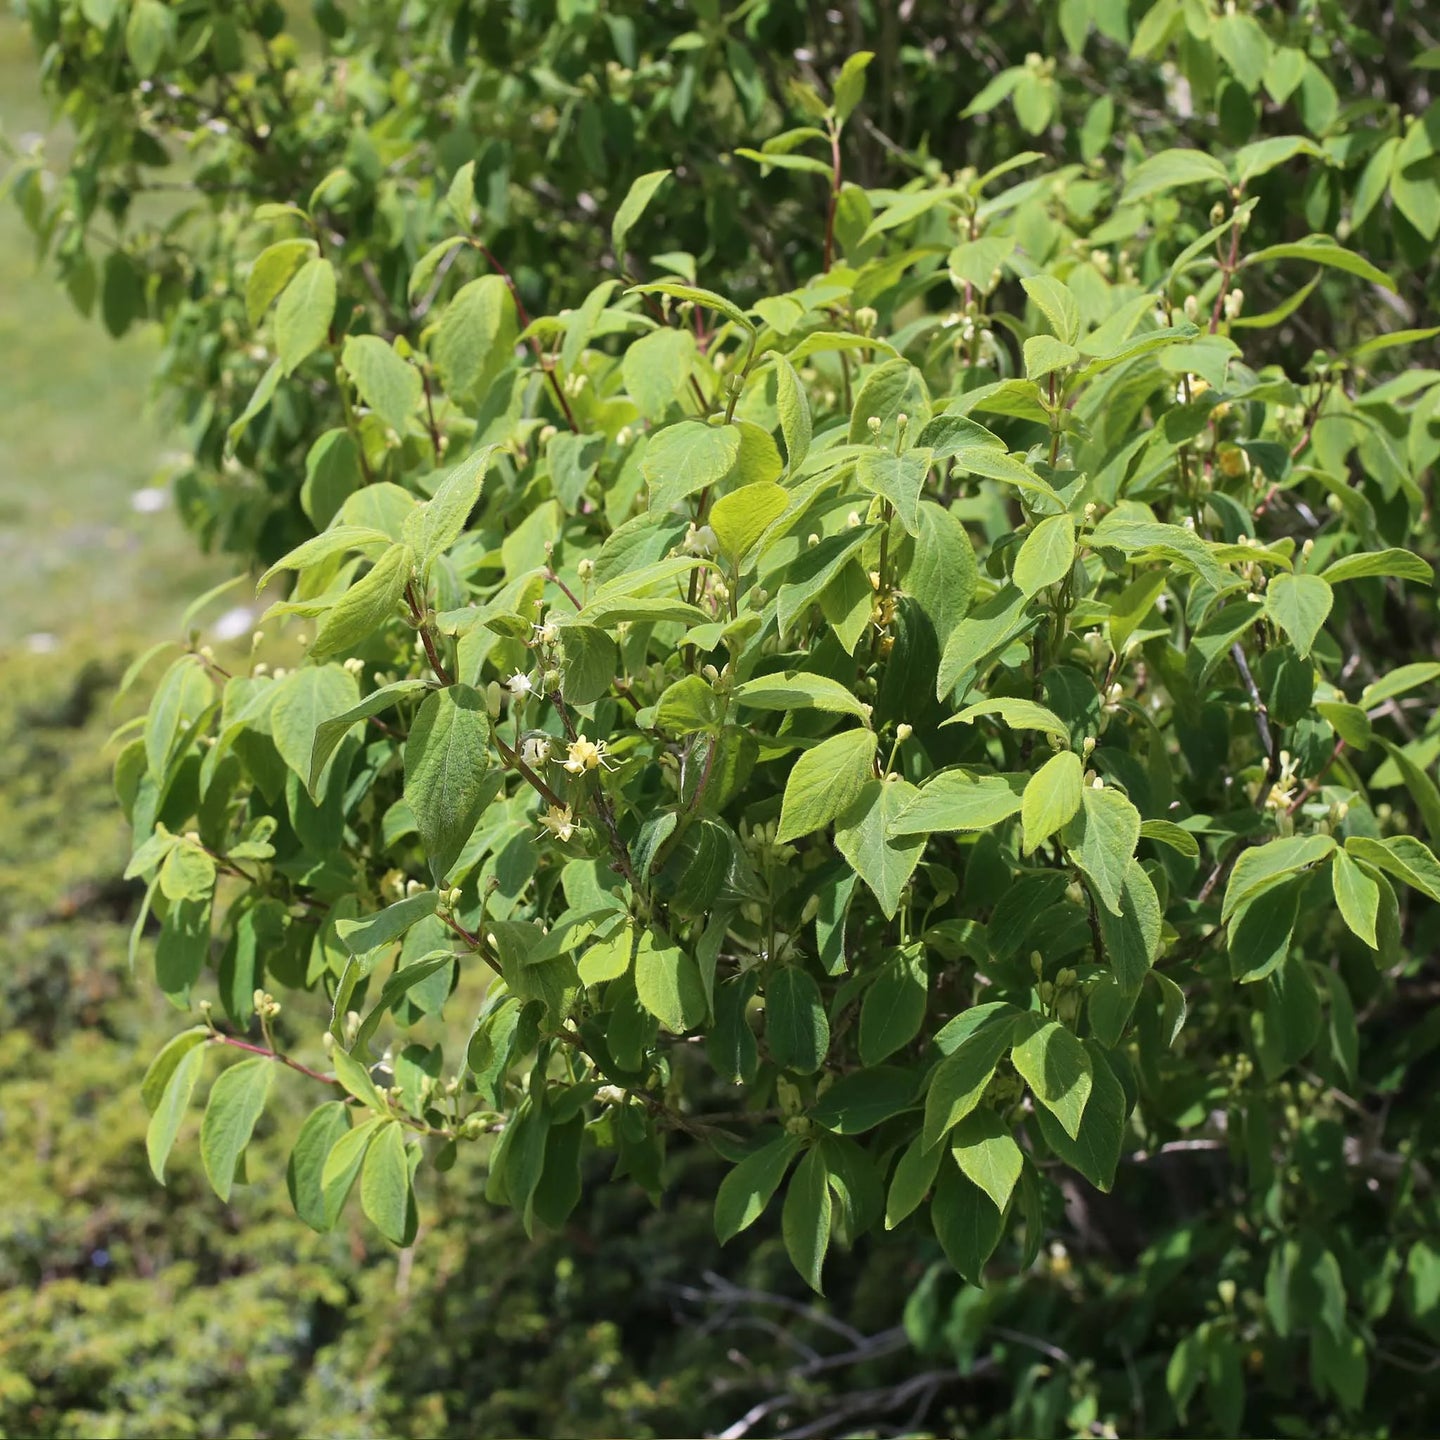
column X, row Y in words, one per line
column 559, row 821
column 519, row 685
column 535, row 751
column 584, row 755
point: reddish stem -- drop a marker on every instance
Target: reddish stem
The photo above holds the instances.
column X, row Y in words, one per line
column 237, row 1044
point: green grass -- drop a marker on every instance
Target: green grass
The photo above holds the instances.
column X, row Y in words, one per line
column 77, row 439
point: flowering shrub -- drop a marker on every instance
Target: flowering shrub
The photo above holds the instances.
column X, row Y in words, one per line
column 919, row 728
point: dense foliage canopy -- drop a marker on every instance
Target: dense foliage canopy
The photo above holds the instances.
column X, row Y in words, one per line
column 891, row 647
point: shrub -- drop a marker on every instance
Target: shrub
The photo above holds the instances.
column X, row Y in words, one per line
column 913, row 712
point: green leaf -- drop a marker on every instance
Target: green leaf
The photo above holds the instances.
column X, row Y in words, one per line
column 796, row 1029
column 1095, row 1150
column 1244, row 47
column 303, row 701
column 1052, row 797
column 1260, row 929
column 428, row 265
column 163, row 1066
column 1357, row 893
column 580, row 325
column 338, row 540
column 342, row 1165
column 236, row 1101
column 385, row 928
column 780, row 160
column 1349, row 722
column 1166, row 832
column 1263, row 866
column 748, row 1189
column 685, row 458
column 657, row 370
column 366, row 605
column 697, row 296
column 385, row 1184
column 460, row 197
column 894, row 1006
column 850, row 84
column 271, row 272
column 986, row 1152
column 1045, row 355
column 740, row 518
column 890, row 390
column 1400, row 680
column 805, row 1220
column 898, row 479
column 321, row 1132
column 1299, row 604
column 1400, row 563
column 955, row 800
column 187, row 873
column 182, row 696
column 1402, row 856
column 1418, row 783
column 174, row 1099
column 1132, row 938
column 959, row 1081
column 825, row 782
column 395, row 988
column 966, row 1223
column 436, row 525
column 1101, row 840
column 632, row 207
column 1322, row 250
column 864, row 1099
column 447, row 756
column 329, row 733
column 1171, row 170
column 149, row 36
column 1056, row 301
column 794, row 407
column 475, row 340
column 1046, row 555
column 987, row 630
column 1056, row 1067
column 302, row 323
column 799, row 691
column 913, row 1177
column 1137, row 537
column 591, row 662
column 669, row 986
column 941, row 574
column 863, row 836
column 355, row 1078
column 1255, row 160
column 388, row 384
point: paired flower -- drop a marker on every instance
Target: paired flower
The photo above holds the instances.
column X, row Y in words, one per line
column 559, row 821
column 584, row 754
